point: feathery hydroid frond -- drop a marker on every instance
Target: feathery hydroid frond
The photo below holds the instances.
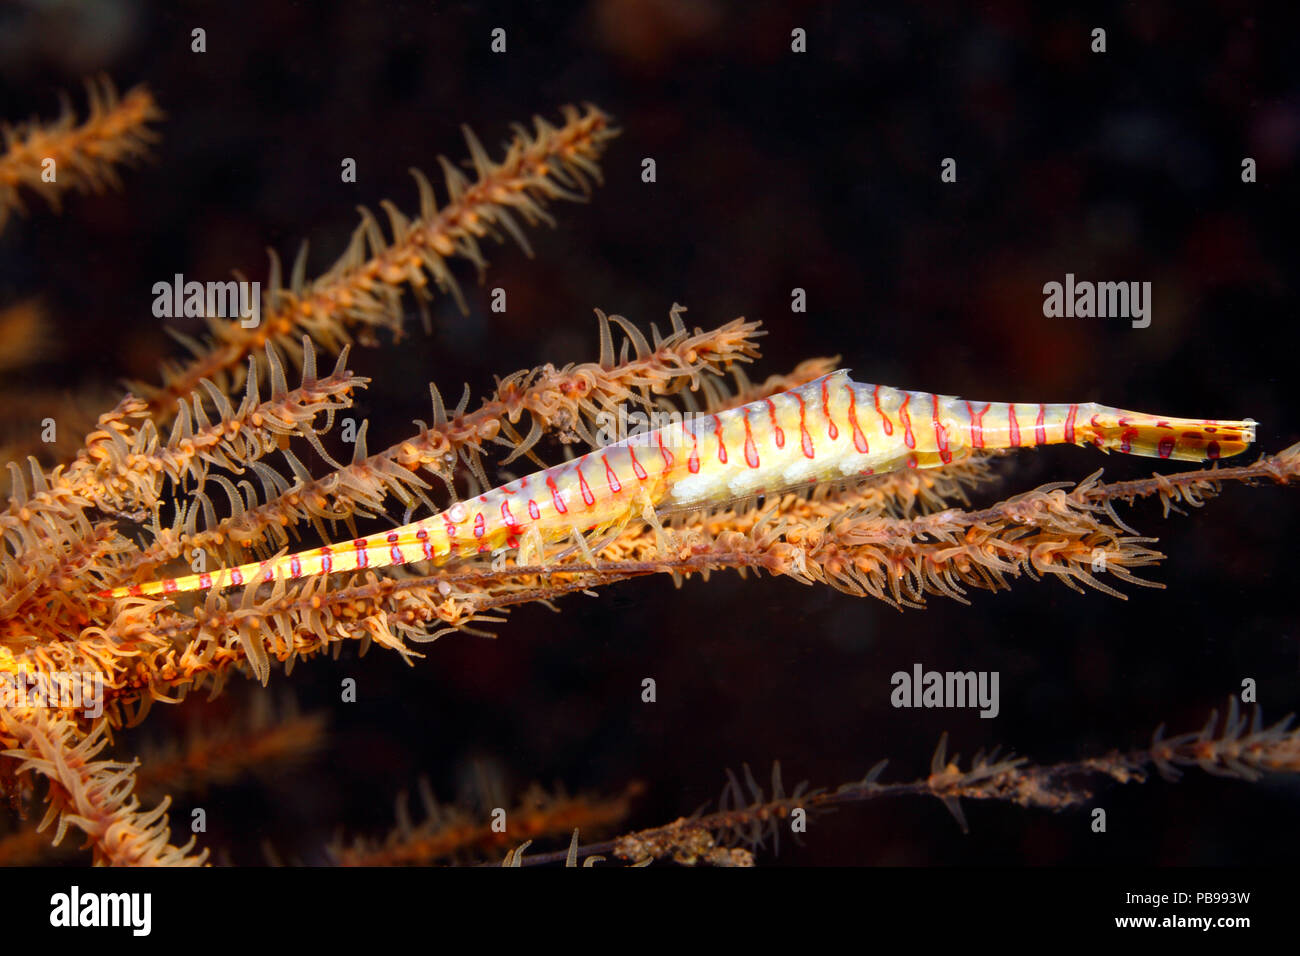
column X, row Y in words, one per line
column 81, row 157
column 364, row 288
column 90, row 794
column 749, row 818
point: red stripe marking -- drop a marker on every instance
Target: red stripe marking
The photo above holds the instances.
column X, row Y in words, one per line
column 636, row 465
column 450, row 526
column 169, row 585
column 512, row 541
column 533, row 511
column 977, row 425
column 392, row 537
column 889, row 426
column 480, row 525
column 1015, row 426
column 428, row 551
column 1166, row 447
column 295, row 567
column 908, row 438
column 859, row 439
column 396, row 554
column 555, row 495
column 205, row 581
column 777, row 431
column 236, row 576
column 693, row 462
column 587, row 496
column 1126, row 440
column 611, row 479
column 1096, row 430
column 940, row 432
column 136, row 591
column 826, row 410
column 751, row 453
column 1040, row 432
column 1212, row 450
column 663, row 453
column 326, row 561
column 717, row 430
column 363, row 559
column 805, row 440
column 1069, row 424
column 508, row 517
column 911, row 461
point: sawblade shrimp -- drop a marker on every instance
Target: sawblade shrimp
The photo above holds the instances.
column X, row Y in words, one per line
column 831, row 429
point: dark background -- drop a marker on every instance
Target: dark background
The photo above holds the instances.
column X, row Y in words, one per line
column 775, row 171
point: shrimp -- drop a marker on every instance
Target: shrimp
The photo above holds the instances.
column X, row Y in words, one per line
column 828, row 430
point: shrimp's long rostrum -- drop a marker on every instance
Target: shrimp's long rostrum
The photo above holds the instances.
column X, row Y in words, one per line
column 830, row 429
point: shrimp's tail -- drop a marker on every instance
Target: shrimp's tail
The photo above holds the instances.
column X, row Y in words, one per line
column 1180, row 439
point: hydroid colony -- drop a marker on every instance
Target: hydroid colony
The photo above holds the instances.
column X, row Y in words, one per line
column 208, row 468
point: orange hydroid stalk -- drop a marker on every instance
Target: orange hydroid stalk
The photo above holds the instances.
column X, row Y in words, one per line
column 364, row 288
column 831, row 429
column 79, row 156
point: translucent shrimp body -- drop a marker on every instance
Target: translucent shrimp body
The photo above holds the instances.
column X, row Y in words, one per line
column 830, row 429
